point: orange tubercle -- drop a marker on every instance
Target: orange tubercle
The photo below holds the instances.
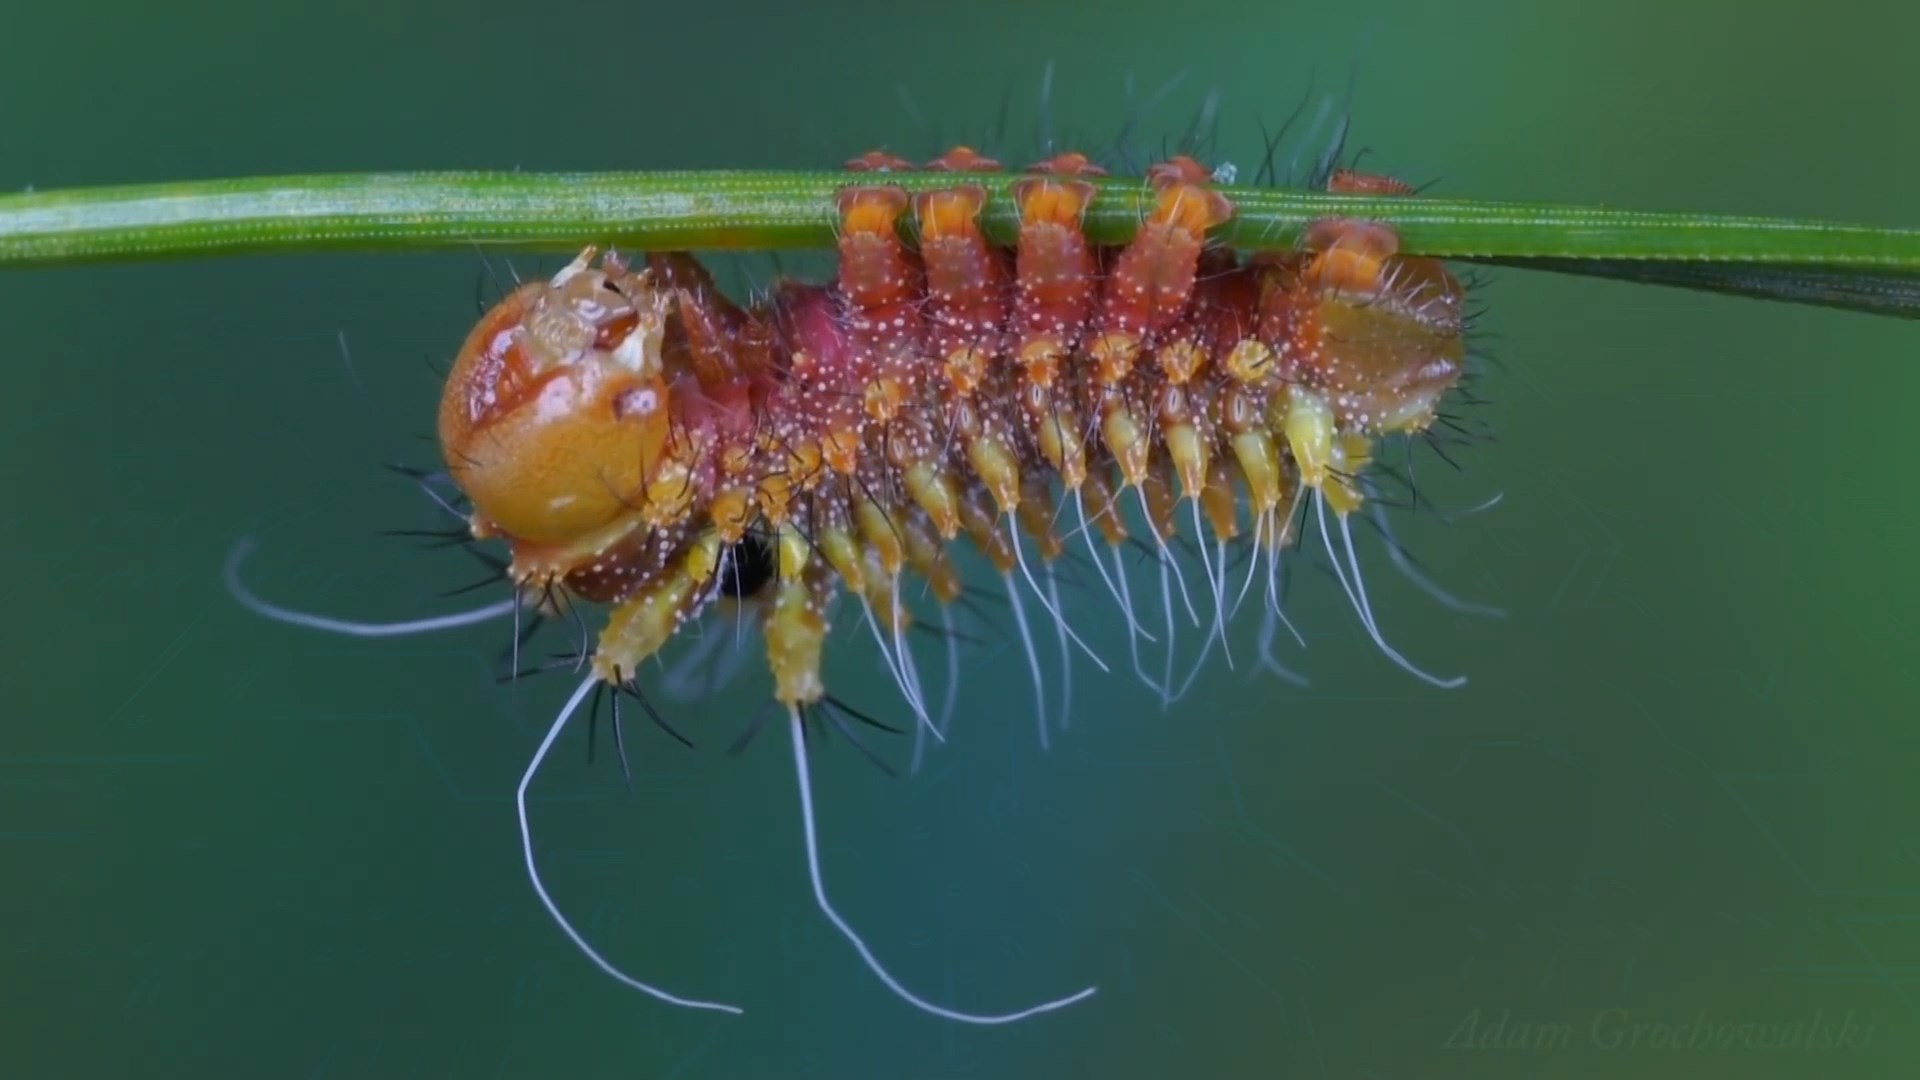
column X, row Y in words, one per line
column 963, row 159
column 871, row 209
column 878, row 161
column 1351, row 182
column 1192, row 207
column 1348, row 255
column 949, row 213
column 1052, row 202
column 1072, row 163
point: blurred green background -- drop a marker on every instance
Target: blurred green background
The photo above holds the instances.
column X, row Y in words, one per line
column 1679, row 784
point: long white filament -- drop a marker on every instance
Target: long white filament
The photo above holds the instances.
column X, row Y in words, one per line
column 533, row 871
column 903, row 653
column 1020, row 558
column 1357, row 593
column 1419, row 578
column 1216, row 582
column 953, row 669
column 1166, row 555
column 348, row 627
column 853, row 936
column 1133, row 642
column 1066, row 655
column 908, row 689
column 1126, row 605
column 1253, row 561
column 909, row 684
column 1033, row 660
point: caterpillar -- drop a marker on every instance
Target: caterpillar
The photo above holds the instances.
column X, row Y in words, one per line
column 638, row 440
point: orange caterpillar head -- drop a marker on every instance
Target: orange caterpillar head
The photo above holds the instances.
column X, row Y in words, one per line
column 556, row 405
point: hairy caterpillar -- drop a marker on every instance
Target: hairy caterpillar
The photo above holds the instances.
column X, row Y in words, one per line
column 638, row 440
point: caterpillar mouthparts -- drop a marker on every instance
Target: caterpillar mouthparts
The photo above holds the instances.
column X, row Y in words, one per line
column 624, row 429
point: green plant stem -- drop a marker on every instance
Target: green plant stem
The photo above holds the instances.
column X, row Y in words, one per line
column 717, row 211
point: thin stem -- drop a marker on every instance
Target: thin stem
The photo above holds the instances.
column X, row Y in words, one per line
column 719, row 211
column 560, row 212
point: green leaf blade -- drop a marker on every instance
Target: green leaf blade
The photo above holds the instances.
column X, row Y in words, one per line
column 747, row 211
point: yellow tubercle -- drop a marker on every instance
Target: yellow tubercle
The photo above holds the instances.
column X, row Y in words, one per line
column 1351, row 455
column 1259, row 459
column 1190, row 457
column 792, row 552
column 934, row 492
column 841, row 450
column 882, row 535
column 1040, row 359
column 1180, row 361
column 774, row 495
column 1036, row 517
column 1220, row 502
column 1113, row 356
column 844, row 554
column 1060, row 443
column 983, row 528
column 1342, row 497
column 668, row 497
column 703, row 558
column 795, row 631
column 966, row 368
column 638, row 626
column 998, row 469
column 1250, row 363
column 804, row 459
column 1309, row 430
column 882, row 599
column 883, row 398
column 732, row 511
column 1158, row 492
column 1101, row 507
column 927, row 554
column 1125, row 441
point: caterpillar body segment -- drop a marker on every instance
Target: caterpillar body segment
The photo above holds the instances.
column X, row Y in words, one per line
column 638, row 440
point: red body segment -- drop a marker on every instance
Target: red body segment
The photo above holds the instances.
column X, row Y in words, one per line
column 610, row 423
